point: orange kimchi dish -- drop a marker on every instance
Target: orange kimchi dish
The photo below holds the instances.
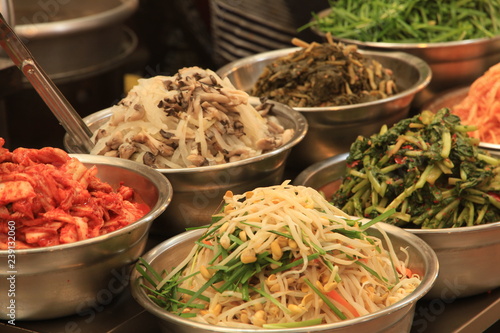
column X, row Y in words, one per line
column 53, row 198
column 481, row 107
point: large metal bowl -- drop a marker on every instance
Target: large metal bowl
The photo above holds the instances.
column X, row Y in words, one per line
column 333, row 129
column 74, row 38
column 198, row 191
column 467, row 255
column 396, row 318
column 60, row 280
column 453, row 64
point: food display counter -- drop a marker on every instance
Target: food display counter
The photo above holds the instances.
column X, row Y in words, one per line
column 124, row 315
column 114, row 310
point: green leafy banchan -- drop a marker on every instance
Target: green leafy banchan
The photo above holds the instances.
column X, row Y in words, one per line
column 428, row 169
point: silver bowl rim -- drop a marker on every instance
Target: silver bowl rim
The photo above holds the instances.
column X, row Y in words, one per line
column 406, row 46
column 119, row 13
column 429, row 256
column 422, row 67
column 165, row 191
column 411, row 46
column 305, row 174
column 300, row 130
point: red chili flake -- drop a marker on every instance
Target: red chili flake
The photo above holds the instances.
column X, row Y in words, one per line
column 407, row 147
column 495, row 195
column 353, row 164
column 399, row 159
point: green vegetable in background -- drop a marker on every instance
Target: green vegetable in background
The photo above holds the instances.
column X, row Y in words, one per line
column 428, row 169
column 410, row 21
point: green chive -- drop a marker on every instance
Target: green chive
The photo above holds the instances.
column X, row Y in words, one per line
column 327, row 301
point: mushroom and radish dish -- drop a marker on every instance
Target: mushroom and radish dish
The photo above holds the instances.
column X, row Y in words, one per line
column 282, row 257
column 55, row 199
column 191, row 119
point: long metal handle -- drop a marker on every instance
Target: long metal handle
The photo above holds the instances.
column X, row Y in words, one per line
column 55, row 100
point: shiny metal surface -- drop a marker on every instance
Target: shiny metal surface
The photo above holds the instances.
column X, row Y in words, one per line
column 198, row 191
column 395, row 318
column 67, row 279
column 453, row 64
column 47, row 90
column 34, row 19
column 468, row 256
column 333, row 129
column 68, row 37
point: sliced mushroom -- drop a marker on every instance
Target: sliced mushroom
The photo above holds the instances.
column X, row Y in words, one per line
column 266, row 144
column 145, row 139
column 167, row 135
column 149, row 159
column 126, row 150
column 117, row 118
column 138, row 114
column 237, row 152
column 111, row 153
column 287, row 136
column 165, row 150
column 197, row 160
column 239, row 128
column 213, row 97
column 264, row 108
column 275, row 127
column 115, row 141
column 101, row 133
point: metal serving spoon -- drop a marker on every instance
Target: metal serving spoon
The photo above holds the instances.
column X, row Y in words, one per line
column 51, row 95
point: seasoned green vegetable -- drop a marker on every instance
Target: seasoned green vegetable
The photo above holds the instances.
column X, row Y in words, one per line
column 428, row 169
column 410, row 21
column 325, row 74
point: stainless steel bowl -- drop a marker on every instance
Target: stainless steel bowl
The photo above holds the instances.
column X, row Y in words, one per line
column 198, row 191
column 333, row 129
column 467, row 255
column 453, row 64
column 76, row 39
column 60, row 280
column 395, row 318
